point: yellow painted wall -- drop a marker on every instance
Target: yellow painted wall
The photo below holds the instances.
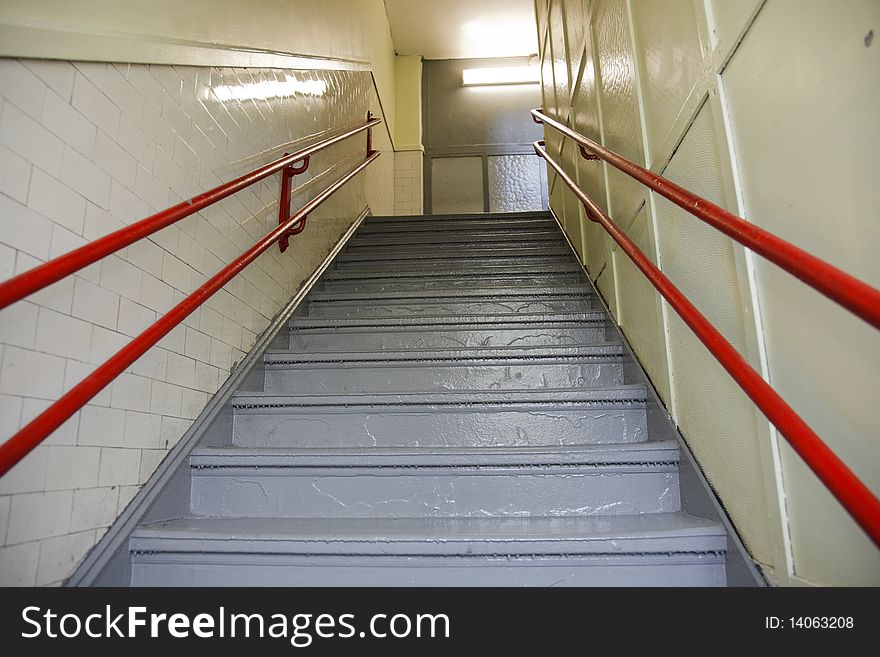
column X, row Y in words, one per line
column 726, row 98
column 408, row 102
column 204, row 33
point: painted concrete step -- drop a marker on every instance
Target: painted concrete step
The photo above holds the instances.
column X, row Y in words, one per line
column 414, row 270
column 461, row 216
column 458, row 222
column 443, row 228
column 475, row 368
column 450, row 281
column 464, row 255
column 446, row 238
column 529, row 292
column 427, row 332
column 442, row 419
column 554, row 244
column 401, row 483
column 454, row 306
column 669, row 549
column 568, row 266
column 373, row 302
column 422, row 264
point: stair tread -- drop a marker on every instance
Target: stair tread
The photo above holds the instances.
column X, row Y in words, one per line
column 415, row 284
column 463, row 272
column 454, row 237
column 448, row 227
column 495, row 319
column 520, row 255
column 660, row 452
column 538, row 292
column 375, row 240
column 438, row 266
column 625, row 394
column 426, row 286
column 495, row 353
column 421, row 248
column 472, row 254
column 499, row 217
column 649, row 532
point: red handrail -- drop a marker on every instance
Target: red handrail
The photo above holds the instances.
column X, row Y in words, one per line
column 849, row 490
column 33, row 280
column 850, row 292
column 17, row 447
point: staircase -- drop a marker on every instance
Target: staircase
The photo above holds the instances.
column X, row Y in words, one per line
column 452, row 408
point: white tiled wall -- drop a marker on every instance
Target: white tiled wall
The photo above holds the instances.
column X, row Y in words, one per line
column 86, row 148
column 380, row 185
column 408, row 179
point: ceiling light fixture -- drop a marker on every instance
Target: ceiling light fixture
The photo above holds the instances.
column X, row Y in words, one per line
column 501, row 75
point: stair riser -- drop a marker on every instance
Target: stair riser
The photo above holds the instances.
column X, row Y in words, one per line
column 451, row 308
column 436, row 427
column 553, row 292
column 445, row 227
column 420, row 377
column 555, row 244
column 410, row 493
column 474, row 255
column 391, row 240
column 453, row 264
column 391, row 339
column 455, row 233
column 262, row 570
column 392, row 274
column 543, row 284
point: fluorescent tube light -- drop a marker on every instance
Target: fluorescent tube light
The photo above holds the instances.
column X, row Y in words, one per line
column 501, row 75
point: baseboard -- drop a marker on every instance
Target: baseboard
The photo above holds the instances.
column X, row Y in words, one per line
column 113, row 545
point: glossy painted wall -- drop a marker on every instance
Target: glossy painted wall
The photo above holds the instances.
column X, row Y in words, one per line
column 726, row 97
column 408, row 102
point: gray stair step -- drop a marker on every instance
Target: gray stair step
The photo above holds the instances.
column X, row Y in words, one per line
column 448, row 223
column 476, row 368
column 427, row 332
column 442, row 228
column 450, row 301
column 450, row 272
column 568, row 266
column 452, row 237
column 536, row 293
column 475, row 254
column 672, row 549
column 421, row 264
column 371, row 482
column 461, row 216
column 470, row 419
column 554, row 245
column 541, row 282
column 450, row 306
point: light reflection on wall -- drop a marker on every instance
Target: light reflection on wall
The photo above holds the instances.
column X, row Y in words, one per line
column 267, row 89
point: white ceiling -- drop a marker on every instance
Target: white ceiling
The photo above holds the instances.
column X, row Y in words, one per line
column 462, row 29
